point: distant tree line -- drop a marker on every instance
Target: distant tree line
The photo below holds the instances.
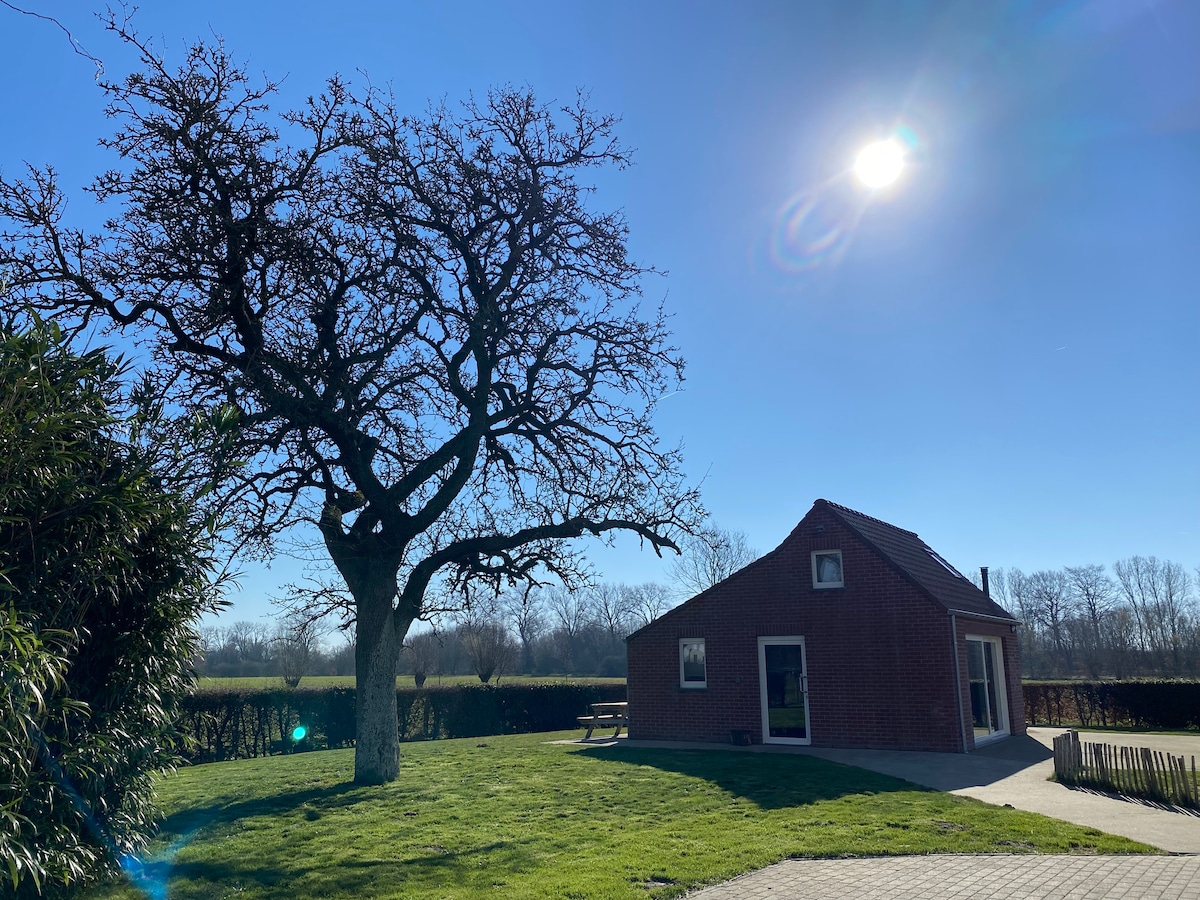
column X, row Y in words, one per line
column 546, row 630
column 283, row 649
column 1139, row 619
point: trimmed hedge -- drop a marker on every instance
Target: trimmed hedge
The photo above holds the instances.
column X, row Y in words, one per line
column 1171, row 705
column 238, row 724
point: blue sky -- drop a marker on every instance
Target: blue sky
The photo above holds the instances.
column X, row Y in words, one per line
column 998, row 352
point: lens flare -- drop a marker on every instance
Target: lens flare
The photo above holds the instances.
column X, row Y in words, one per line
column 811, row 231
column 299, row 732
column 880, row 163
column 152, row 876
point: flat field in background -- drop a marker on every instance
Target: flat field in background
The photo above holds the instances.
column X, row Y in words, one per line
column 520, row 817
column 316, row 681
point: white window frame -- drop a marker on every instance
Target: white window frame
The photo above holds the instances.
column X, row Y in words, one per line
column 693, row 685
column 1005, row 729
column 827, row 585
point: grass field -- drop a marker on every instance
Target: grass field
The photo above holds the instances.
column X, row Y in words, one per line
column 312, row 681
column 518, row 817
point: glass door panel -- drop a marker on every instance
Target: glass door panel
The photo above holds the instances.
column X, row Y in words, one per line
column 784, row 690
column 985, row 674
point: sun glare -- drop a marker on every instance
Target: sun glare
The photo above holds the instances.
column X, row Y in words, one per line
column 880, row 163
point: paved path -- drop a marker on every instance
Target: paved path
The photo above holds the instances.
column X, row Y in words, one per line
column 946, row 877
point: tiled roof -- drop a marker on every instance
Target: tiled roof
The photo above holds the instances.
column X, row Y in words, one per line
column 919, row 563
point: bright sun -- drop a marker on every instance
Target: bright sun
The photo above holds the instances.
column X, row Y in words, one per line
column 880, row 163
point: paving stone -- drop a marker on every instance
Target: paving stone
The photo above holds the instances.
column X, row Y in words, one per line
column 950, row 877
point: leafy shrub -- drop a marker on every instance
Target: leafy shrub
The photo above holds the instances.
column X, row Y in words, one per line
column 101, row 580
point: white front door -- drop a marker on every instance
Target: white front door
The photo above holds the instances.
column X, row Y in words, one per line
column 989, row 697
column 783, row 685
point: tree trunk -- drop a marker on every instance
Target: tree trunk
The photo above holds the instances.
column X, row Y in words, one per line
column 377, row 743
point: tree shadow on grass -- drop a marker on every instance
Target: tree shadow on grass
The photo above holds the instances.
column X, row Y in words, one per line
column 326, row 798
column 435, row 866
column 770, row 781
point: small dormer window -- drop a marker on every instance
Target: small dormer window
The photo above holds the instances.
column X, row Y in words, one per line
column 827, row 569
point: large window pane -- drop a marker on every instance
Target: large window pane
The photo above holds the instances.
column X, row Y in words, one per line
column 786, row 701
column 691, row 655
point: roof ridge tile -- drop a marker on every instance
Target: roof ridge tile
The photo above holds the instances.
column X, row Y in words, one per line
column 863, row 515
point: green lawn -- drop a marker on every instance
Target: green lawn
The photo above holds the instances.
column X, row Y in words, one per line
column 517, row 817
column 314, row 681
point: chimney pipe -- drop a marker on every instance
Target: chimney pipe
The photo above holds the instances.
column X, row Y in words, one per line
column 984, row 577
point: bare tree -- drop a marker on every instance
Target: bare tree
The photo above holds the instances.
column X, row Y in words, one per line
column 483, row 634
column 209, row 640
column 710, row 556
column 612, row 609
column 572, row 611
column 1093, row 594
column 489, row 646
column 422, row 650
column 296, row 639
column 651, row 600
column 523, row 610
column 1120, row 636
column 1054, row 605
column 1178, row 610
column 1158, row 592
column 1013, row 589
column 412, row 333
column 250, row 640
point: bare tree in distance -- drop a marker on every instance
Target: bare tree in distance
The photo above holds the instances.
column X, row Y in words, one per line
column 572, row 612
column 422, row 650
column 710, row 556
column 1094, row 594
column 650, row 600
column 1158, row 593
column 612, row 609
column 524, row 611
column 412, row 333
column 296, row 638
column 489, row 646
column 1054, row 605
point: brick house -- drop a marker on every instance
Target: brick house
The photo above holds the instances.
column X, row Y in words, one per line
column 851, row 633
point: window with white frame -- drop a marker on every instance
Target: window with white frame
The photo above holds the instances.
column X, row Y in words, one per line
column 692, row 673
column 827, row 569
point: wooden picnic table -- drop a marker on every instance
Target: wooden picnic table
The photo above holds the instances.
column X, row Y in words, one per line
column 603, row 715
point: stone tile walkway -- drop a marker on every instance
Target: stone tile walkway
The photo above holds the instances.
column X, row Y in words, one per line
column 963, row 877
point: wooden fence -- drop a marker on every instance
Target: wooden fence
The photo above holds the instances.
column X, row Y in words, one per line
column 1133, row 771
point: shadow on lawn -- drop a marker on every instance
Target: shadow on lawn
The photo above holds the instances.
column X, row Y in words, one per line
column 770, row 781
column 349, row 877
column 327, row 798
column 287, row 878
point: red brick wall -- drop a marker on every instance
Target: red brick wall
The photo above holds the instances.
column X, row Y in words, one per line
column 879, row 653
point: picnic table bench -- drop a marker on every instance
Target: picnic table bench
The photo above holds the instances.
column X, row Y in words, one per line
column 606, row 714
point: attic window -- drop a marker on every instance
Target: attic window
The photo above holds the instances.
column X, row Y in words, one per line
column 949, row 568
column 827, row 569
